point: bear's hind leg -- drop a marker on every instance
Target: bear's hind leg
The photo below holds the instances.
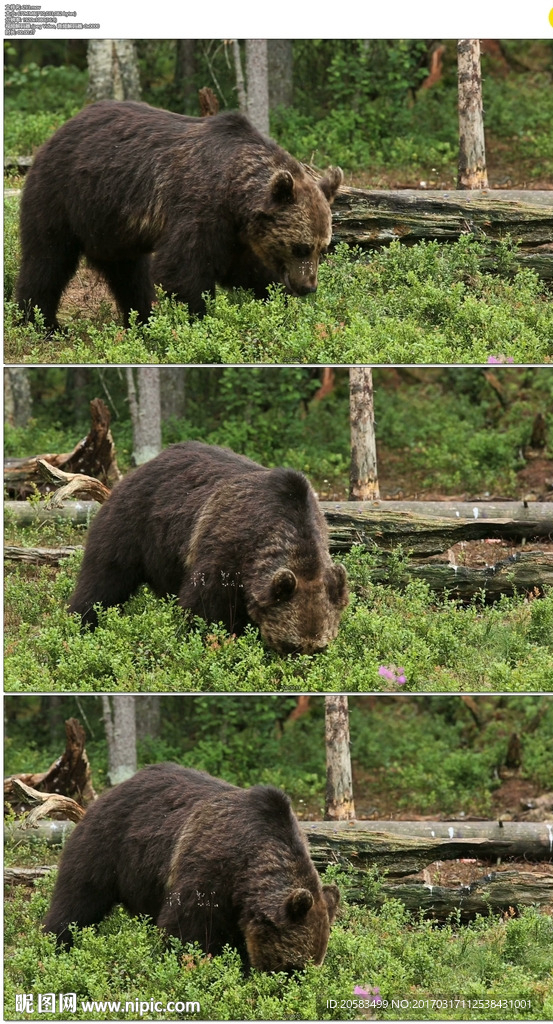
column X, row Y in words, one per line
column 81, row 904
column 106, row 585
column 131, row 284
column 43, row 275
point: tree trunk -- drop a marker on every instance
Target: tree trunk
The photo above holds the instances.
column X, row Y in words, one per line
column 148, row 716
column 281, row 72
column 374, row 218
column 145, row 407
column 112, row 70
column 18, row 403
column 185, row 69
column 120, row 724
column 173, row 392
column 239, row 74
column 339, row 787
column 472, row 152
column 363, row 472
column 257, row 74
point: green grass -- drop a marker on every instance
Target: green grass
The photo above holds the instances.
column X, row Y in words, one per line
column 402, row 957
column 422, row 304
column 153, row 646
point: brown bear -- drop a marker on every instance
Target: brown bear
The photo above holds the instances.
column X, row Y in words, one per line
column 212, row 198
column 236, row 542
column 209, row 862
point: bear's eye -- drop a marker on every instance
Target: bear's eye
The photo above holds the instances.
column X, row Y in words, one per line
column 302, row 251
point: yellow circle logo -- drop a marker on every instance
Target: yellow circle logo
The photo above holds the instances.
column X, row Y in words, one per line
column 551, row 17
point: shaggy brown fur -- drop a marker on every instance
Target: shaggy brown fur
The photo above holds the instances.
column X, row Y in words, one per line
column 216, row 201
column 236, row 542
column 209, row 862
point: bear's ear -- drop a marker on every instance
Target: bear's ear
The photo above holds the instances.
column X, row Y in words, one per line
column 280, row 588
column 298, row 903
column 331, row 895
column 282, row 187
column 283, row 584
column 331, row 182
column 337, row 585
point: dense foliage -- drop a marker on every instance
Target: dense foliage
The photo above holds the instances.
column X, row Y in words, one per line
column 496, row 962
column 458, row 431
column 414, row 755
column 354, row 102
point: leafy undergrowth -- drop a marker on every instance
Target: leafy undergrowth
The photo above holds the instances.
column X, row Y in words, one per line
column 421, row 304
column 496, row 968
column 390, row 639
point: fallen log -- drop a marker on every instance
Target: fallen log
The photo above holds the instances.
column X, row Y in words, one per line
column 398, row 847
column 25, row 876
column 371, row 218
column 25, row 513
column 38, row 556
column 427, row 528
column 431, row 531
column 46, row 831
column 361, row 845
column 526, row 572
column 495, row 893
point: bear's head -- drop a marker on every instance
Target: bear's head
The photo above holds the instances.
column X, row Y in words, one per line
column 293, row 227
column 294, row 932
column 297, row 615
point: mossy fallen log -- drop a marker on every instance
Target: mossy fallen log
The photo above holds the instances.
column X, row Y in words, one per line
column 372, row 218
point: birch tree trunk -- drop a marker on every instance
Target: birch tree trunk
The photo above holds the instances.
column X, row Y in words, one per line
column 257, row 74
column 472, row 152
column 339, row 804
column 145, row 408
column 119, row 713
column 112, row 70
column 363, row 472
